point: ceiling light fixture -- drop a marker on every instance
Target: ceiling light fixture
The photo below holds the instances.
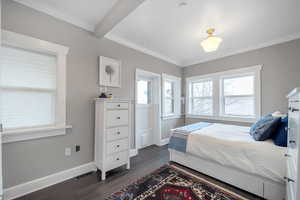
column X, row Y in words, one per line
column 211, row 43
column 182, row 3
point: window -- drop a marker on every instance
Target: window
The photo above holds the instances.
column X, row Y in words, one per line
column 32, row 87
column 171, row 94
column 231, row 95
column 169, row 98
column 201, row 97
column 238, row 97
column 144, row 93
column 28, row 88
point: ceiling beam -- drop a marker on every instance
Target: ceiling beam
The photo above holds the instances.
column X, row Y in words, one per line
column 119, row 11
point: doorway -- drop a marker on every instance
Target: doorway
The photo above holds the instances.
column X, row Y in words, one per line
column 147, row 109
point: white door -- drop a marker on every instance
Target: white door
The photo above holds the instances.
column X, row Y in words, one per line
column 144, row 112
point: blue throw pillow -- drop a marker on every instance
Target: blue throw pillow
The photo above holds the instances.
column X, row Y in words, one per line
column 281, row 134
column 264, row 128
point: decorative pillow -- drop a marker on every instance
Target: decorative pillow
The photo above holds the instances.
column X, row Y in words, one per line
column 264, row 128
column 281, row 134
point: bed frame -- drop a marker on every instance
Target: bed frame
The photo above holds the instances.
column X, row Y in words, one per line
column 255, row 184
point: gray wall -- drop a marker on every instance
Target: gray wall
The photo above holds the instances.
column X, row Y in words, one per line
column 169, row 124
column 28, row 160
column 280, row 72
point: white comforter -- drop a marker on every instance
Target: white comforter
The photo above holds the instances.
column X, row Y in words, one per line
column 233, row 146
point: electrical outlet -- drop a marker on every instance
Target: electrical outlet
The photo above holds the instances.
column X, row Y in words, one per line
column 77, row 148
column 68, row 151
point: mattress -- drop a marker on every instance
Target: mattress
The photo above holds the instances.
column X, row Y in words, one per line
column 233, row 146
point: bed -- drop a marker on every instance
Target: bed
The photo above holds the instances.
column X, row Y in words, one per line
column 230, row 154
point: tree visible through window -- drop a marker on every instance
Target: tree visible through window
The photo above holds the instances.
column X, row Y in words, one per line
column 201, row 98
column 169, row 97
column 238, row 96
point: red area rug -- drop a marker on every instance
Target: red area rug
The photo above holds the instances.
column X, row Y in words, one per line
column 173, row 183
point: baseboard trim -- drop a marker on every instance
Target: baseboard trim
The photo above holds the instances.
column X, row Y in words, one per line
column 133, row 152
column 164, row 141
column 41, row 183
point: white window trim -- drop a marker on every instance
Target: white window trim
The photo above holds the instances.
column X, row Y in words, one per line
column 29, row 43
column 217, row 94
column 177, row 96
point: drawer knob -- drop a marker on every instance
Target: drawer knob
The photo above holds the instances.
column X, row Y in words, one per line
column 118, row 132
column 287, row 155
column 118, row 146
column 118, row 159
column 119, row 105
column 118, row 117
column 288, row 179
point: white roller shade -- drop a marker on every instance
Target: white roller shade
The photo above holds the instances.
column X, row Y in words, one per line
column 27, row 88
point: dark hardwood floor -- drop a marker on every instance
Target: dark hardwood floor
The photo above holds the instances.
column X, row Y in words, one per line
column 88, row 187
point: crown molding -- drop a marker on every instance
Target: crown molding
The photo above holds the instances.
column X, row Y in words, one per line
column 57, row 14
column 243, row 50
column 137, row 47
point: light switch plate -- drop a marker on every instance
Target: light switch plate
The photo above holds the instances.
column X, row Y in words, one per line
column 68, row 151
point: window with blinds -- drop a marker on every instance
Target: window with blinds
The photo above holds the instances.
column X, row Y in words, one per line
column 27, row 88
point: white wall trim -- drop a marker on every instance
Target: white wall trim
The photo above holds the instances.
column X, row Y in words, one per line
column 164, row 141
column 221, row 118
column 170, row 117
column 139, row 48
column 60, row 52
column 133, row 152
column 239, row 51
column 57, row 14
column 40, row 183
column 227, row 72
column 23, row 41
column 33, row 133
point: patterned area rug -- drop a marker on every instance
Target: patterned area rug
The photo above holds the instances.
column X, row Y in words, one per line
column 173, row 183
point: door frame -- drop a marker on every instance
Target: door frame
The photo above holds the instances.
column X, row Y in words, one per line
column 1, row 128
column 156, row 94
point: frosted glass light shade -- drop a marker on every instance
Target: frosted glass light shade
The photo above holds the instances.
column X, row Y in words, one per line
column 210, row 44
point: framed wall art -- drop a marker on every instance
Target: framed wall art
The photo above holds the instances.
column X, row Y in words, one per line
column 109, row 72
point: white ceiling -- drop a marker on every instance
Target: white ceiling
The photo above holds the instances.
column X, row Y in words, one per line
column 163, row 29
column 175, row 32
column 83, row 13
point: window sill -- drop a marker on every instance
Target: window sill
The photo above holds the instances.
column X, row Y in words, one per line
column 167, row 117
column 17, row 135
column 222, row 118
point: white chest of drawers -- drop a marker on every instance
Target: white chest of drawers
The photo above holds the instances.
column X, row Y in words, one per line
column 292, row 177
column 112, row 134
